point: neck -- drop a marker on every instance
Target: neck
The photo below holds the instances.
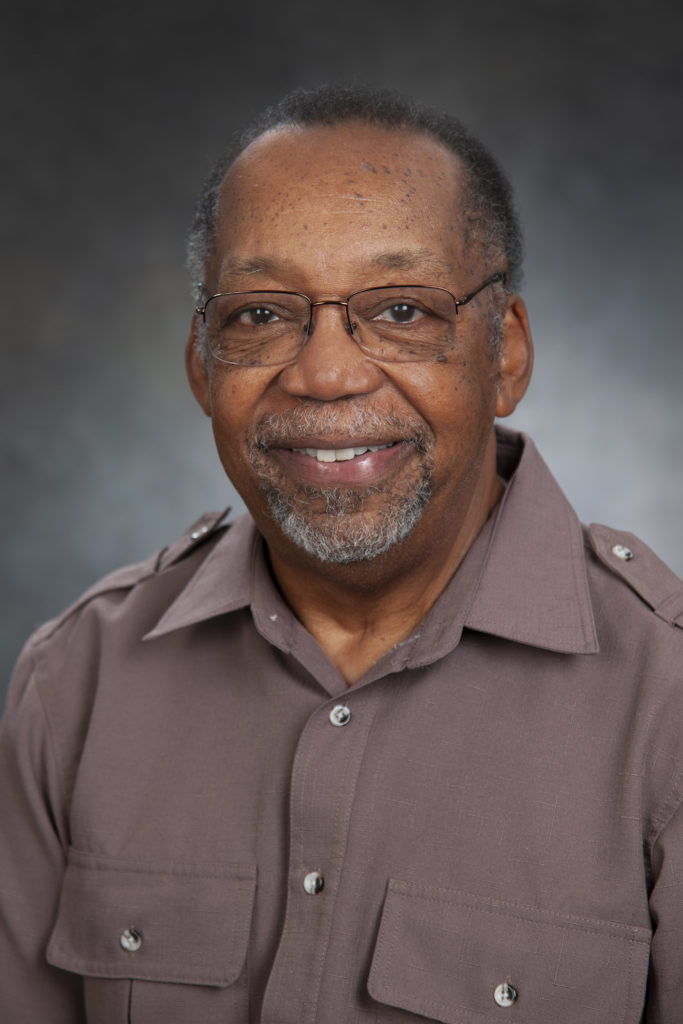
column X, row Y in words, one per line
column 358, row 612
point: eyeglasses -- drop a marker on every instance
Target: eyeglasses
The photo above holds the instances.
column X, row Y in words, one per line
column 396, row 324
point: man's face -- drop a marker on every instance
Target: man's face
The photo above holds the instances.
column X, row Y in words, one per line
column 343, row 455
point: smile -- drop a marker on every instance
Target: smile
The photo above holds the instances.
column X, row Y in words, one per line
column 340, row 454
column 345, row 465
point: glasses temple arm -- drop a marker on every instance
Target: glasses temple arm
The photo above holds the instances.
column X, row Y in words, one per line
column 500, row 276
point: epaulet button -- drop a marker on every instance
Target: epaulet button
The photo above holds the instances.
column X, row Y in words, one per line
column 193, row 536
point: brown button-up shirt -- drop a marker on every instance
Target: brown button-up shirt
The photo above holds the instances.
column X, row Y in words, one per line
column 201, row 824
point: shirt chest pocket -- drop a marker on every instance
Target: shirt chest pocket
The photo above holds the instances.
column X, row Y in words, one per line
column 461, row 959
column 156, row 945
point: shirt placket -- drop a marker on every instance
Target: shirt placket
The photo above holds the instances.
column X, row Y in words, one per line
column 325, row 775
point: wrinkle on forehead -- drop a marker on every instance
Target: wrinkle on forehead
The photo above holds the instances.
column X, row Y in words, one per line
column 410, row 259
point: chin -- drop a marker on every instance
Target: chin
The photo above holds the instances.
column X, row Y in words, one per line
column 345, row 533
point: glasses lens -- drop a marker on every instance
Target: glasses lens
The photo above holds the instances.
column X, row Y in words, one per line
column 256, row 328
column 404, row 324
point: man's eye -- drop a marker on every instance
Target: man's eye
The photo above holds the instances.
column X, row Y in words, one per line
column 255, row 316
column 400, row 313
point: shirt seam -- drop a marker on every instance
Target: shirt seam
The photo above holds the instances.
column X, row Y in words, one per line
column 600, row 926
column 65, row 797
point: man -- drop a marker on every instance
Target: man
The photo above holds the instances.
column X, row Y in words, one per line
column 405, row 743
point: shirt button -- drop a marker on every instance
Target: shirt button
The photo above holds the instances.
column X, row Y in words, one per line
column 196, row 534
column 313, row 883
column 505, row 994
column 340, row 715
column 622, row 552
column 130, row 940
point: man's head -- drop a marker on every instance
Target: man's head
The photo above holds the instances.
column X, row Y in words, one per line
column 345, row 447
column 488, row 205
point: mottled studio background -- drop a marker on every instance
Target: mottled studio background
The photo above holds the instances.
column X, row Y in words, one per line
column 113, row 113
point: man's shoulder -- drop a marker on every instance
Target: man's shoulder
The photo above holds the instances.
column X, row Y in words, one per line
column 610, row 573
column 189, row 549
column 101, row 637
column 629, row 566
column 637, row 603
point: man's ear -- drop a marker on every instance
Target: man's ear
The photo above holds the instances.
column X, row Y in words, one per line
column 196, row 369
column 516, row 358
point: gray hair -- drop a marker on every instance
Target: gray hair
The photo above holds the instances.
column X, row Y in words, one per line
column 489, row 200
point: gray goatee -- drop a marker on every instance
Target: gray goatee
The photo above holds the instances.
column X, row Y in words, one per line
column 331, row 523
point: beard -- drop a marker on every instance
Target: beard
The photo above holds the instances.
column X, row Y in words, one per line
column 335, row 524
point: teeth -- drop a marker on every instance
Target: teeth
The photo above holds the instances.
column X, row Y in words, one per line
column 341, row 454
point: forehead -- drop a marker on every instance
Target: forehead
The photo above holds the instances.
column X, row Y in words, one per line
column 354, row 182
column 400, row 150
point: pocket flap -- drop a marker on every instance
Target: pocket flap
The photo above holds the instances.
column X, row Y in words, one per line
column 443, row 954
column 122, row 919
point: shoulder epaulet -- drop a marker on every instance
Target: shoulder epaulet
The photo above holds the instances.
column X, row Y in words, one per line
column 638, row 566
column 130, row 575
column 195, row 535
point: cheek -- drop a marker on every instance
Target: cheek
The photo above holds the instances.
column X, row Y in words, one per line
column 237, row 399
column 235, row 395
column 476, row 387
column 229, row 415
column 457, row 395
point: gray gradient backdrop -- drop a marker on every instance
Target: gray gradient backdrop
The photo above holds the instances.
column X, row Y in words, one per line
column 114, row 114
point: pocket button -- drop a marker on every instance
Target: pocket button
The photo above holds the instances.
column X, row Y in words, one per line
column 505, row 994
column 130, row 940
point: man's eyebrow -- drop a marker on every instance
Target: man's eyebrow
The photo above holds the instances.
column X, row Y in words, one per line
column 421, row 260
column 410, row 259
column 243, row 267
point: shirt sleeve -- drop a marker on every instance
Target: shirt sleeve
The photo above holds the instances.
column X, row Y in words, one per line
column 32, row 859
column 665, row 982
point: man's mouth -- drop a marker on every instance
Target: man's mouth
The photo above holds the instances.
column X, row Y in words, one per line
column 339, row 464
column 322, row 449
column 341, row 454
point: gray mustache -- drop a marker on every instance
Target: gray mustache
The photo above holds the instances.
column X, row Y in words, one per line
column 304, row 422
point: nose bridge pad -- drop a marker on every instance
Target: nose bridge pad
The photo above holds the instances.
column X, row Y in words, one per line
column 348, row 326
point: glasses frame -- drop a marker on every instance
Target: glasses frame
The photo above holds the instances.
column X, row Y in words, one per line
column 501, row 276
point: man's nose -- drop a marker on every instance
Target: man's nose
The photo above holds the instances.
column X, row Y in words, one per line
column 330, row 365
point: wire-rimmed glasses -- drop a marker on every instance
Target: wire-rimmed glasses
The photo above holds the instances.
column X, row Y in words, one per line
column 397, row 323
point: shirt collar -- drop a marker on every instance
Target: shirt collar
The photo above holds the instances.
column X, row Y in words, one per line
column 224, row 582
column 524, row 578
column 533, row 587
